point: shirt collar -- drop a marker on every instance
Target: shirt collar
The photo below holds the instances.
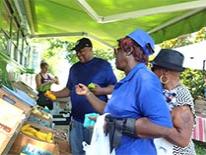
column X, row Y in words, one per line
column 133, row 72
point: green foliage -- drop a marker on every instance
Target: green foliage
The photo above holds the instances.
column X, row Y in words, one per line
column 56, row 46
column 71, row 57
column 28, row 71
column 119, row 74
column 194, row 80
column 200, row 148
column 185, row 40
column 177, row 42
column 104, row 54
column 56, row 52
column 201, row 35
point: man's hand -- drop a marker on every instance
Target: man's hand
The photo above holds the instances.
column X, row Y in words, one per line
column 81, row 89
column 97, row 90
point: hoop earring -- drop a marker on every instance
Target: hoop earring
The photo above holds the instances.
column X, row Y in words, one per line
column 163, row 79
column 130, row 51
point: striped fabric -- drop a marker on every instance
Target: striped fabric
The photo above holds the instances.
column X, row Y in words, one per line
column 199, row 132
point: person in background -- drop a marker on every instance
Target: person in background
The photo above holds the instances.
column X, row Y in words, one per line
column 168, row 65
column 136, row 96
column 88, row 70
column 44, row 78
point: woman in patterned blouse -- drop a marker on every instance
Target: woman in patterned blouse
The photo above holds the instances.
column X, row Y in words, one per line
column 167, row 66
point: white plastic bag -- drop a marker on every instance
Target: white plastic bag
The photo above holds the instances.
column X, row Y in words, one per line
column 100, row 142
column 163, row 147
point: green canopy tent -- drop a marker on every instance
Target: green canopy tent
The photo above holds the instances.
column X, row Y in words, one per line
column 108, row 20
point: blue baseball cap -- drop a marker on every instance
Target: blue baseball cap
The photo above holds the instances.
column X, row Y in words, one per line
column 144, row 40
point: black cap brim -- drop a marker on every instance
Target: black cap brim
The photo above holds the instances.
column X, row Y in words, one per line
column 76, row 48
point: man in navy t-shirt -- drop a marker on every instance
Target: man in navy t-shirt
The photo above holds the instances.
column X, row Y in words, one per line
column 88, row 70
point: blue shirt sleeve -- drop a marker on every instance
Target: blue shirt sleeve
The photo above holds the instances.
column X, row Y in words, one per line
column 152, row 102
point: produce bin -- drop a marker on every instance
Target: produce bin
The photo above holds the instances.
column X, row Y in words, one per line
column 10, row 121
column 15, row 99
column 23, row 139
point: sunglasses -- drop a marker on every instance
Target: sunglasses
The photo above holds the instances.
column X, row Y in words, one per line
column 5, row 128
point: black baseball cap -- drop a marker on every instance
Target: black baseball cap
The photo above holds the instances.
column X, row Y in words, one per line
column 81, row 43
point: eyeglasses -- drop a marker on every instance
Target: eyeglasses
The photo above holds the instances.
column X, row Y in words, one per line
column 5, row 128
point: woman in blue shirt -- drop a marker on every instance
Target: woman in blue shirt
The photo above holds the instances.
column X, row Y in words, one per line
column 137, row 95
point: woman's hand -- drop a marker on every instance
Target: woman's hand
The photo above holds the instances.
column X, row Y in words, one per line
column 54, row 80
column 81, row 89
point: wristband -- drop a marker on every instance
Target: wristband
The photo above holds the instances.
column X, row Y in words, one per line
column 116, row 127
column 129, row 127
column 124, row 125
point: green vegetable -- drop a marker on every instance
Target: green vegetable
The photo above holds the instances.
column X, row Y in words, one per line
column 44, row 87
column 91, row 86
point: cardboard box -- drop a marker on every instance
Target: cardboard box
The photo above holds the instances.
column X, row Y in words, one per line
column 5, row 95
column 40, row 120
column 22, row 140
column 24, row 87
column 10, row 118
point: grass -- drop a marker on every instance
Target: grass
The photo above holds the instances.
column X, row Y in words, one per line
column 200, row 148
